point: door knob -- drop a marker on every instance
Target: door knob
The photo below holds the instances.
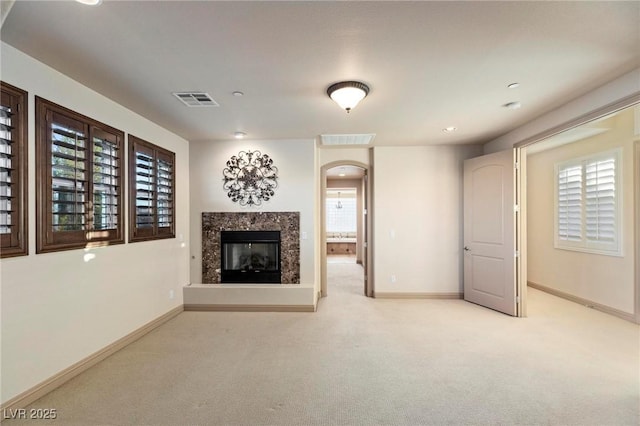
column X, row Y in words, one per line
column 466, row 248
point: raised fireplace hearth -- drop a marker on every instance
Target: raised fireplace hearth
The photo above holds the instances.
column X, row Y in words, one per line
column 250, row 257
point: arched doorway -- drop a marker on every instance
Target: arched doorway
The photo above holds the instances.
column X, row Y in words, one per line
column 352, row 176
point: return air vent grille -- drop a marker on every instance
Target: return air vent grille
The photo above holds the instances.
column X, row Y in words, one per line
column 196, row 99
column 347, row 139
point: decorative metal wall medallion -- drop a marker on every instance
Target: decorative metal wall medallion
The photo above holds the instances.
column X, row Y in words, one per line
column 250, row 178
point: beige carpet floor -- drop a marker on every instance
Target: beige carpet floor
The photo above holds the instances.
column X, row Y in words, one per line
column 360, row 361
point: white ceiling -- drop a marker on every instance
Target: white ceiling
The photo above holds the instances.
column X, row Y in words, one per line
column 429, row 65
column 348, row 172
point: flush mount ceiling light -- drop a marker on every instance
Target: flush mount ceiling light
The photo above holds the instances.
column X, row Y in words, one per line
column 450, row 129
column 513, row 85
column 239, row 135
column 347, row 94
column 90, row 2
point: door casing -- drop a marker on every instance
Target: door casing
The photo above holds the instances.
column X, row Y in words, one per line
column 368, row 223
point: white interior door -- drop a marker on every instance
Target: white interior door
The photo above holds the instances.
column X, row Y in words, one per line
column 489, row 231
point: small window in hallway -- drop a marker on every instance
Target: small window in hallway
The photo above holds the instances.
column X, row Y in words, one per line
column 341, row 213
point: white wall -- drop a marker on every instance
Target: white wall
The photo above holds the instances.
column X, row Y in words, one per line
column 296, row 163
column 58, row 309
column 613, row 91
column 329, row 155
column 607, row 280
column 418, row 218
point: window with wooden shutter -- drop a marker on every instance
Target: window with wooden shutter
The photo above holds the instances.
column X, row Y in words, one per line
column 588, row 204
column 79, row 180
column 13, row 171
column 151, row 191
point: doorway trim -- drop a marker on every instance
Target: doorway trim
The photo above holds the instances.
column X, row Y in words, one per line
column 368, row 225
column 637, row 214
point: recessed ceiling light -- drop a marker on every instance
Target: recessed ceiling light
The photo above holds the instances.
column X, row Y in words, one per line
column 513, row 85
column 450, row 129
column 238, row 93
column 239, row 135
column 513, row 105
column 90, row 2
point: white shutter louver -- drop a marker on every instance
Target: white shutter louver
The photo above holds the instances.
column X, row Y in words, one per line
column 588, row 204
column 570, row 203
column 600, row 200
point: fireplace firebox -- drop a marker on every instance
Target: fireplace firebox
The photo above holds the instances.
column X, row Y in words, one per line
column 250, row 257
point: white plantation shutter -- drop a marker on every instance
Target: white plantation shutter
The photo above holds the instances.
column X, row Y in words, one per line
column 600, row 201
column 588, row 204
column 570, row 203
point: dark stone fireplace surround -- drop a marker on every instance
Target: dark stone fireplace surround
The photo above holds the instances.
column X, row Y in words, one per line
column 288, row 223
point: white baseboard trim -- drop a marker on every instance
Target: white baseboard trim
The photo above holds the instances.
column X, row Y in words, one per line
column 250, row 308
column 419, row 295
column 29, row 396
column 585, row 302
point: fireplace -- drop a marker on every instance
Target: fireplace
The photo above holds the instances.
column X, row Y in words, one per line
column 250, row 257
column 287, row 223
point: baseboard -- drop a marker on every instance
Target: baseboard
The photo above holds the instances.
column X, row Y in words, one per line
column 585, row 302
column 250, row 308
column 31, row 395
column 420, row 295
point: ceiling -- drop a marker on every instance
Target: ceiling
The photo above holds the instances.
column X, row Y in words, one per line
column 345, row 172
column 429, row 65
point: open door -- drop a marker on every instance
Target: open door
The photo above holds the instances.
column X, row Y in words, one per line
column 490, row 231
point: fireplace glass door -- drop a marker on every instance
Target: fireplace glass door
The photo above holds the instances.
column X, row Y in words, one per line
column 250, row 257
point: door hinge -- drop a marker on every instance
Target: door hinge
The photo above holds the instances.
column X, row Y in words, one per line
column 516, row 253
column 516, row 208
column 516, row 166
column 365, row 211
column 517, row 299
column 365, row 244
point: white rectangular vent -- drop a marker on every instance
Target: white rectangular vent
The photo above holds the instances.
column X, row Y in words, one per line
column 348, row 139
column 196, row 99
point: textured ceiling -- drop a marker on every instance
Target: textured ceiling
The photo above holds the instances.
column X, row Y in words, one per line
column 430, row 65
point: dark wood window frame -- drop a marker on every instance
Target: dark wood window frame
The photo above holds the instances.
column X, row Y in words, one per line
column 14, row 236
column 152, row 191
column 83, row 206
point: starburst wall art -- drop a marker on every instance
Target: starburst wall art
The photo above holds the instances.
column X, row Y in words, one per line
column 250, row 178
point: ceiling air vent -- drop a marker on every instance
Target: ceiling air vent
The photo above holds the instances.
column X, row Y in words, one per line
column 196, row 99
column 349, row 139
